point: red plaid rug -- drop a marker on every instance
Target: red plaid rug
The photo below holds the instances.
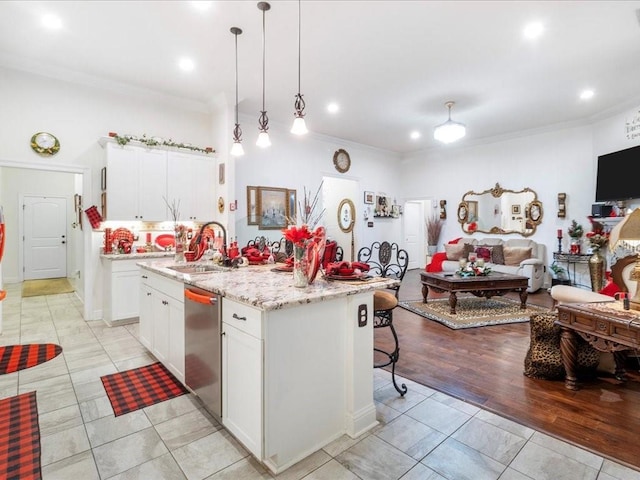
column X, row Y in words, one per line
column 141, row 387
column 19, row 437
column 19, row 357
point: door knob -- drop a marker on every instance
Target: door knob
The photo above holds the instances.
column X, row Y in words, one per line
column 63, row 242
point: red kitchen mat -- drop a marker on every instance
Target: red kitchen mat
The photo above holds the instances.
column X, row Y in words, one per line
column 140, row 387
column 19, row 357
column 19, row 437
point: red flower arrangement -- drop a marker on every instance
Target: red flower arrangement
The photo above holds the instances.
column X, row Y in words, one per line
column 597, row 237
column 297, row 235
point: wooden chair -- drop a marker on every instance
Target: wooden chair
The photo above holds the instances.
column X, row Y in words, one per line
column 386, row 260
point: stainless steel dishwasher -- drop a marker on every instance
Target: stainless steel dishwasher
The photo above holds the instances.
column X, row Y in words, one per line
column 203, row 353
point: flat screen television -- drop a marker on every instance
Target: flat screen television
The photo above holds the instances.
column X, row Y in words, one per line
column 616, row 178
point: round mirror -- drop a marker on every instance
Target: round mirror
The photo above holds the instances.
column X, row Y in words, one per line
column 346, row 215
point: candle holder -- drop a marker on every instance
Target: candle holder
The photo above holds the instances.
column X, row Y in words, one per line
column 559, row 244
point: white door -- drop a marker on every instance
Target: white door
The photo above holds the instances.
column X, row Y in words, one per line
column 45, row 237
column 413, row 228
column 334, row 190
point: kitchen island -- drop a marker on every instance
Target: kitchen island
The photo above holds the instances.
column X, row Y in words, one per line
column 297, row 363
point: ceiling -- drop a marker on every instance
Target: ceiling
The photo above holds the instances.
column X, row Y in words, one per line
column 391, row 65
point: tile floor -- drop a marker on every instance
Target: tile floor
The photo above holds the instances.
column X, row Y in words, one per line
column 425, row 435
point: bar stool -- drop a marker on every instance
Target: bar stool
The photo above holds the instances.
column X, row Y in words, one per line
column 386, row 260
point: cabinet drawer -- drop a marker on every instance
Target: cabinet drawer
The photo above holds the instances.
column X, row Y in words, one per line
column 242, row 317
column 124, row 266
column 171, row 288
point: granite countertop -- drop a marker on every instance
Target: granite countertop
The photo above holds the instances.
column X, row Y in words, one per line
column 265, row 289
column 135, row 255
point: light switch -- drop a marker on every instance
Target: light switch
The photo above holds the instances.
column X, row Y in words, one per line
column 362, row 315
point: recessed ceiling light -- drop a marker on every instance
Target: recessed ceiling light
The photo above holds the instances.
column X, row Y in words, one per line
column 52, row 22
column 201, row 5
column 533, row 30
column 415, row 135
column 587, row 94
column 186, row 64
column 333, row 108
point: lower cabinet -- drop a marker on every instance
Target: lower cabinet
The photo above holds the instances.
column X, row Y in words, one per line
column 162, row 320
column 121, row 285
column 242, row 376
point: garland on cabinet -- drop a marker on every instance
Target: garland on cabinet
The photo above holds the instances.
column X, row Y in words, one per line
column 157, row 142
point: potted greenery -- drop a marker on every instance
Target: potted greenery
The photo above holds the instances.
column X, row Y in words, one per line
column 434, row 226
column 560, row 275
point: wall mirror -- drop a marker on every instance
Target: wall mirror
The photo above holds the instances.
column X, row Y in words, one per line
column 500, row 211
column 346, row 215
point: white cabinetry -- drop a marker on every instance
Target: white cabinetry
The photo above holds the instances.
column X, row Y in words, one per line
column 191, row 180
column 136, row 183
column 121, row 287
column 162, row 320
column 242, row 374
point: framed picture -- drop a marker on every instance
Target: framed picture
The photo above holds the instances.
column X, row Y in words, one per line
column 272, row 208
column 368, row 198
column 252, row 205
column 103, row 179
column 515, row 209
column 292, row 212
column 221, row 174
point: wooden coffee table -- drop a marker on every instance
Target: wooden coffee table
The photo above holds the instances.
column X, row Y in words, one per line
column 494, row 284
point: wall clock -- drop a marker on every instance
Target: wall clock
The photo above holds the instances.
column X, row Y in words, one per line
column 45, row 143
column 341, row 160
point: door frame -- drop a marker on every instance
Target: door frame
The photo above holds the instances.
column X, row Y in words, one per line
column 87, row 265
column 21, row 248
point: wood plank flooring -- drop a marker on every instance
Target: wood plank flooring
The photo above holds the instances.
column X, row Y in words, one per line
column 484, row 367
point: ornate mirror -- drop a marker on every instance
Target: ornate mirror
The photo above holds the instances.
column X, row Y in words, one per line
column 500, row 211
column 346, row 215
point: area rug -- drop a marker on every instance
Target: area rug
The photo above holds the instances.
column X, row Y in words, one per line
column 141, row 387
column 19, row 437
column 472, row 311
column 48, row 286
column 19, row 357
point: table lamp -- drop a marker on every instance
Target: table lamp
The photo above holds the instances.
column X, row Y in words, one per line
column 626, row 235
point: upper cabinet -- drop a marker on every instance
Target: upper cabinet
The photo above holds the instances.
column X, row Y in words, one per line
column 140, row 182
column 191, row 181
column 136, row 183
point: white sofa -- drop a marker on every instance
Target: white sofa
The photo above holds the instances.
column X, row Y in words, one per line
column 534, row 268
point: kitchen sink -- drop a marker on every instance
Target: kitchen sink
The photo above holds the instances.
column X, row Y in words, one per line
column 195, row 269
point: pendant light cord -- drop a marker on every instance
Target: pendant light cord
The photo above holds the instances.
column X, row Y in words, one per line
column 299, row 43
column 236, row 35
column 263, row 56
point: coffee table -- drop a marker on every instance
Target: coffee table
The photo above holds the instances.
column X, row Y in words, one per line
column 494, row 284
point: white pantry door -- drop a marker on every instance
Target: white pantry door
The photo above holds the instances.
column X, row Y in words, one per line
column 45, row 237
column 413, row 224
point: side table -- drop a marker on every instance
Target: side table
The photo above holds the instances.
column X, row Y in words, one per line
column 571, row 260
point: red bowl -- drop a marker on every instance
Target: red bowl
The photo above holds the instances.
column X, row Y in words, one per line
column 189, row 256
column 346, row 272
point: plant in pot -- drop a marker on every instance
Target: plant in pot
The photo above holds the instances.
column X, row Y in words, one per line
column 433, row 225
column 560, row 275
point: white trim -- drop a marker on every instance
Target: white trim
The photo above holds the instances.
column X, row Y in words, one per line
column 87, row 268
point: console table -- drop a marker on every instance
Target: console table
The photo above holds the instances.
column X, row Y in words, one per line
column 572, row 259
column 605, row 325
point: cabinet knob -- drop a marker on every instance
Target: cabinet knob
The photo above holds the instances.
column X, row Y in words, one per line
column 164, row 302
column 235, row 315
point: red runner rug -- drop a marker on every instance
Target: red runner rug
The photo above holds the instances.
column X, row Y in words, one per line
column 141, row 387
column 19, row 357
column 19, row 438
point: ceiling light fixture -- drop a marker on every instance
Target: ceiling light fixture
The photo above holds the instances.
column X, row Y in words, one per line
column 263, row 121
column 586, row 94
column 449, row 131
column 236, row 149
column 52, row 22
column 299, row 127
column 533, row 30
column 186, row 64
column 333, row 108
column 415, row 135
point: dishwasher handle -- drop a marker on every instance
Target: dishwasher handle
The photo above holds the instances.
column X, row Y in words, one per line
column 196, row 297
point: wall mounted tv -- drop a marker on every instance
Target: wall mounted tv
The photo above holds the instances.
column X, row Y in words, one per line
column 616, row 178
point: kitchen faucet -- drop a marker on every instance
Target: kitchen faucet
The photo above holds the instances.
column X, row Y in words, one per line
column 225, row 258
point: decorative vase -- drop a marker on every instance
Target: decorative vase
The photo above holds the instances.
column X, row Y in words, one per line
column 597, row 267
column 300, row 266
column 181, row 244
column 432, row 249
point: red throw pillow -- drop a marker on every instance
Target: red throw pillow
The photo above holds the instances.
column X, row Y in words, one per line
column 436, row 262
column 610, row 288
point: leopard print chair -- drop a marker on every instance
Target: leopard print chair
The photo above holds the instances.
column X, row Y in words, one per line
column 544, row 360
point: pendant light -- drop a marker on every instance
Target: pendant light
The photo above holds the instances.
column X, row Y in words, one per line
column 299, row 127
column 236, row 149
column 449, row 131
column 263, row 121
